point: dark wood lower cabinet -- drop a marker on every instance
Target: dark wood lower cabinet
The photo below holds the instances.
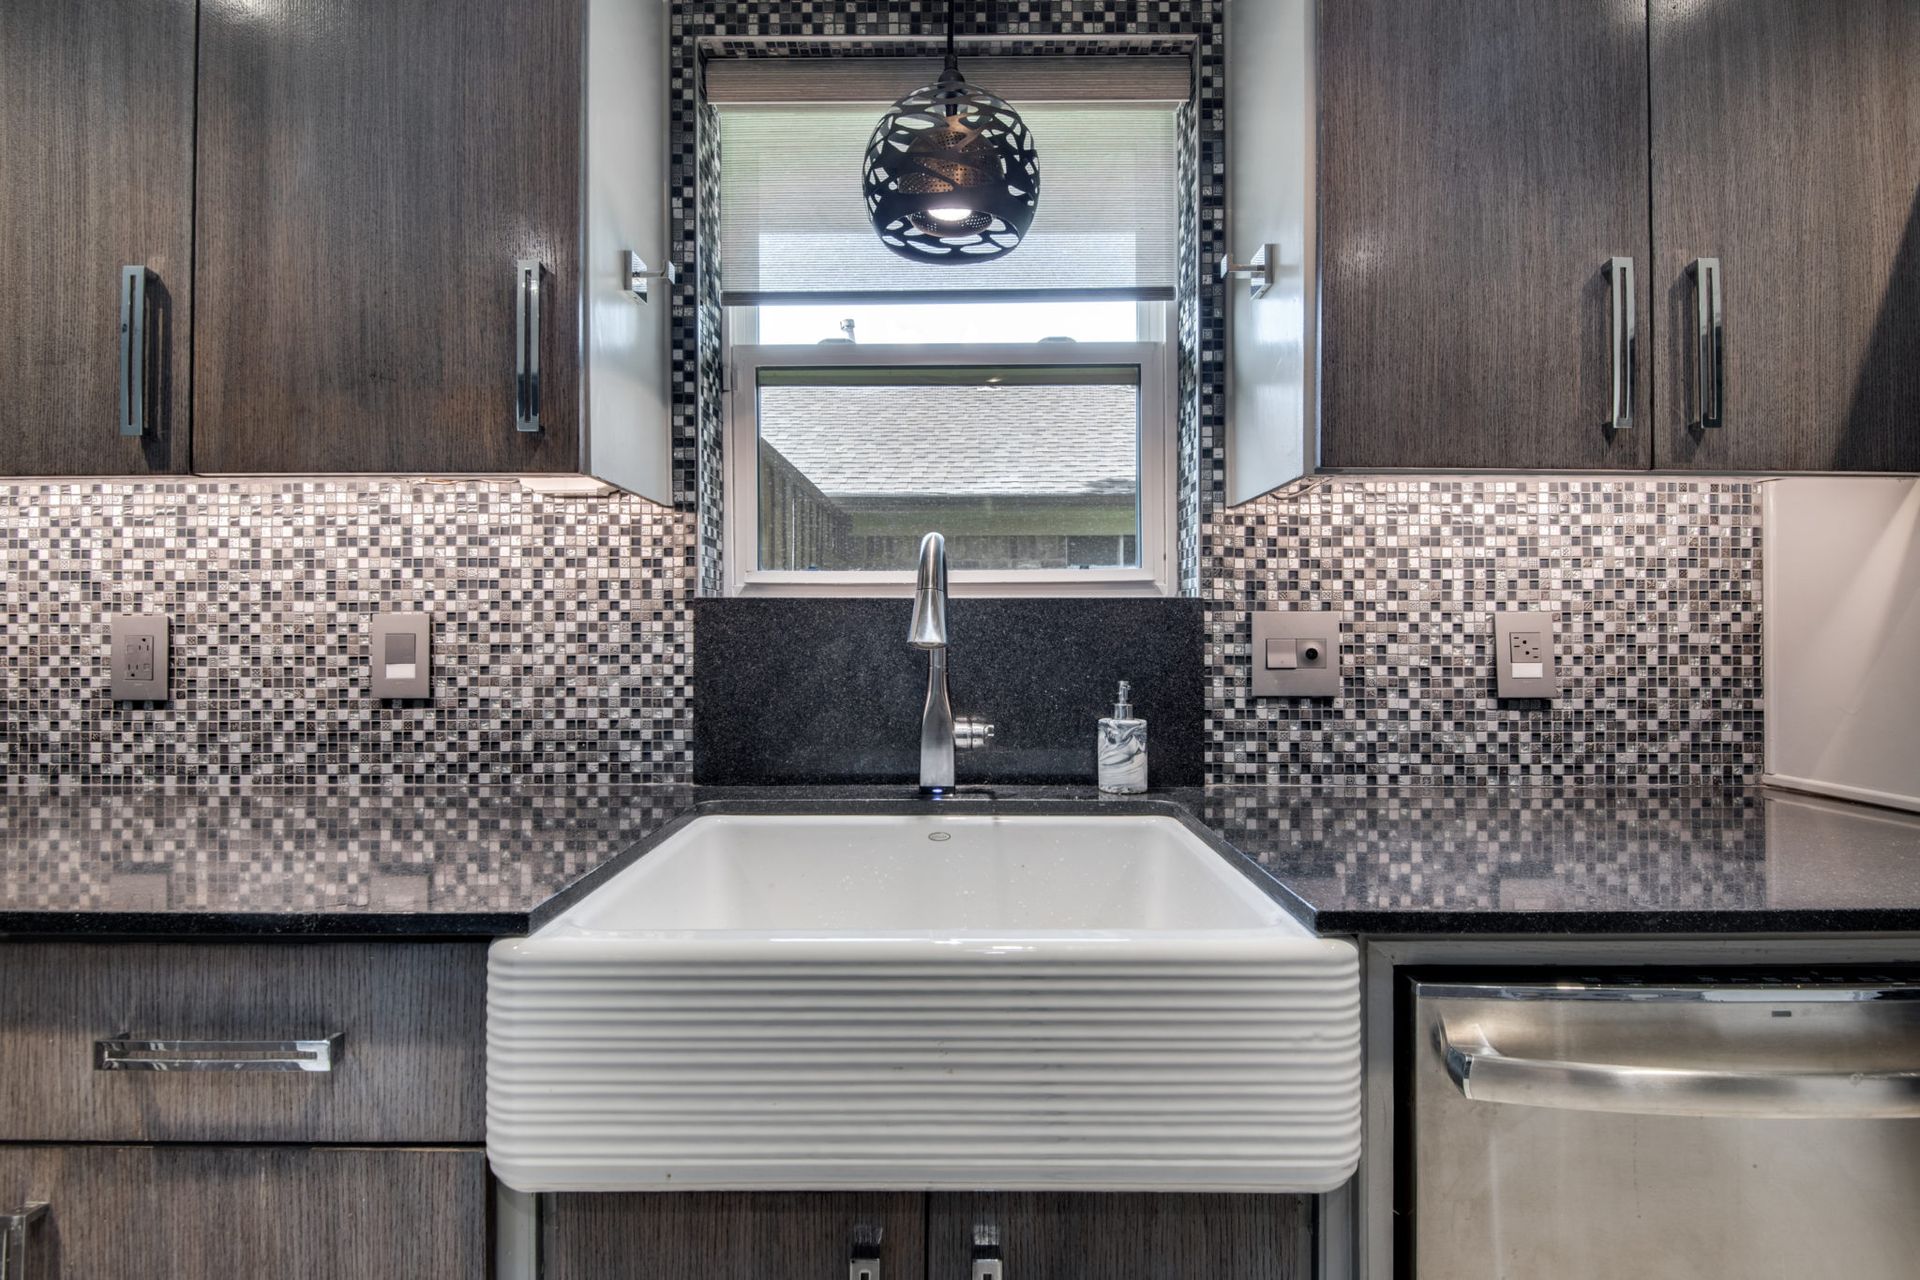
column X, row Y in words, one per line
column 804, row 1236
column 1050, row 1236
column 728, row 1236
column 412, row 1017
column 235, row 1213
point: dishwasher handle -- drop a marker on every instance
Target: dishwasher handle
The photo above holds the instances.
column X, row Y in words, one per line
column 1484, row 1074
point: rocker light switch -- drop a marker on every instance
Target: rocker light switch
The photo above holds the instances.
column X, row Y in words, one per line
column 139, row 644
column 1523, row 655
column 1297, row 653
column 402, row 653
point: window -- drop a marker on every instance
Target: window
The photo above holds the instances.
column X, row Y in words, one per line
column 1022, row 407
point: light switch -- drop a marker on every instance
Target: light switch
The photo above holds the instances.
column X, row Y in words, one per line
column 402, row 652
column 1299, row 653
column 1523, row 654
column 139, row 656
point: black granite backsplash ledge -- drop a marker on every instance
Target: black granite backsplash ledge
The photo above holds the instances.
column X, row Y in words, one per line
column 827, row 690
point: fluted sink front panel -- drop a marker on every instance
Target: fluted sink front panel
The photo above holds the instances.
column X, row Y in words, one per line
column 1125, row 1058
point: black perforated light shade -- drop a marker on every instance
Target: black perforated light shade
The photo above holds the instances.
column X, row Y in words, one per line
column 951, row 175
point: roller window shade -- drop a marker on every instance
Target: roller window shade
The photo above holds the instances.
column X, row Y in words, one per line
column 793, row 223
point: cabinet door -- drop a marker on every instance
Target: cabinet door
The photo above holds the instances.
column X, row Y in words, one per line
column 371, row 172
column 729, row 1236
column 96, row 145
column 1125, row 1237
column 1786, row 144
column 1479, row 164
column 193, row 1213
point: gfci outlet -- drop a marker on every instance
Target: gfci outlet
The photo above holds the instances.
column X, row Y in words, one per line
column 139, row 655
column 1296, row 653
column 1523, row 654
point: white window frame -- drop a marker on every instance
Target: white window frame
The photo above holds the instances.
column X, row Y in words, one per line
column 1158, row 441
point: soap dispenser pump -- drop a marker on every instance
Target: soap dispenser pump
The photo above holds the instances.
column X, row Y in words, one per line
column 1123, row 749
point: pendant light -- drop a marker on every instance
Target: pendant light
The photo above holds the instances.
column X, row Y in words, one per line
column 951, row 173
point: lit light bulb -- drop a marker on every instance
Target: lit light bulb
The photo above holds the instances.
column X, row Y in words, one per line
column 949, row 214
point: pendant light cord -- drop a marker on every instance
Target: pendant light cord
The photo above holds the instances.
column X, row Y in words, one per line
column 953, row 59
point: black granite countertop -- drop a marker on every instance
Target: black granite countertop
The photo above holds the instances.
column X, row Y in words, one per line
column 1366, row 861
column 1548, row 862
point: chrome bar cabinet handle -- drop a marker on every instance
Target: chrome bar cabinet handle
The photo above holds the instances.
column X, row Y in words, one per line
column 16, row 1233
column 1623, row 340
column 1710, row 347
column 135, row 1053
column 133, row 351
column 526, row 343
column 1484, row 1074
column 863, row 1258
column 987, row 1262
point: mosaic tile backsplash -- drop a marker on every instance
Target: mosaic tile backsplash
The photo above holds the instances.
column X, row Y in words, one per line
column 563, row 632
column 561, row 638
column 1656, row 584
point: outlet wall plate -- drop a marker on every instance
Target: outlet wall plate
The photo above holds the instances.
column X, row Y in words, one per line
column 1523, row 661
column 1296, row 653
column 139, row 656
column 401, row 653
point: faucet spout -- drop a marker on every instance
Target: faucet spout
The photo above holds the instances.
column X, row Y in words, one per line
column 929, row 631
column 940, row 734
column 929, row 627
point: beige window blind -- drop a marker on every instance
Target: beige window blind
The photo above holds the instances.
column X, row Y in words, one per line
column 793, row 139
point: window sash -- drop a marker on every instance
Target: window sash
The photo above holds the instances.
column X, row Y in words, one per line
column 1153, row 576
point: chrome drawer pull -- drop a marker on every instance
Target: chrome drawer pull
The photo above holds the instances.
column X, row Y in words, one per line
column 127, row 1053
column 1484, row 1074
column 15, row 1234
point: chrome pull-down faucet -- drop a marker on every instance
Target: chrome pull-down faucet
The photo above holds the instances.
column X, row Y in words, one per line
column 940, row 734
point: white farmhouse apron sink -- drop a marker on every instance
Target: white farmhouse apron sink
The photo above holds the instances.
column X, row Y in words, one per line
column 970, row 1001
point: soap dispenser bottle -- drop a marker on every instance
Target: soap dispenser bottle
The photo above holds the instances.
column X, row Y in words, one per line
column 1123, row 749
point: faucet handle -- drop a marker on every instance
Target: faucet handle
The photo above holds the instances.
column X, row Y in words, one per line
column 970, row 733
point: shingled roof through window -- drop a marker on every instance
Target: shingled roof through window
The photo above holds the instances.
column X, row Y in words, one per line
column 1014, row 441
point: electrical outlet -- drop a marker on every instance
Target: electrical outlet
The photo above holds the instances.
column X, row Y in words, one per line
column 1523, row 654
column 140, row 658
column 1296, row 653
column 138, row 643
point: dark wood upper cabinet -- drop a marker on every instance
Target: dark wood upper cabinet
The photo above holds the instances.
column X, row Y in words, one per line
column 1786, row 144
column 1479, row 164
column 371, row 172
column 96, row 153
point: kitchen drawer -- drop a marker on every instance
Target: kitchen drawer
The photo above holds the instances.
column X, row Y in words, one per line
column 249, row 1213
column 410, row 1017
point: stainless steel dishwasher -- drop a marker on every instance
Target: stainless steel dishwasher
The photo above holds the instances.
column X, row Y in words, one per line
column 1709, row 1130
